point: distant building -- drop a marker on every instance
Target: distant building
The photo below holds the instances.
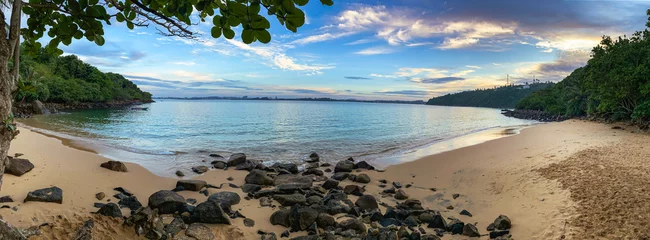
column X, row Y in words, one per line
column 526, row 86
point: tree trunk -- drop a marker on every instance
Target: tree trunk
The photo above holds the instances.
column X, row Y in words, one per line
column 6, row 87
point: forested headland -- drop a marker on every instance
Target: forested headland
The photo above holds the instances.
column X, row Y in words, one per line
column 498, row 97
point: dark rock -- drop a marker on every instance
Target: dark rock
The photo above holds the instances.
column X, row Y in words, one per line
column 97, row 205
column 166, row 202
column 289, row 167
column 383, row 181
column 326, row 164
column 354, row 190
column 110, row 210
column 232, row 185
column 175, row 226
column 191, row 201
column 311, row 165
column 314, row 199
column 266, row 202
column 497, row 234
column 249, row 188
column 191, row 185
column 502, row 223
column 330, row 184
column 363, row 165
column 249, row 222
column 6, row 199
column 230, row 178
column 402, row 233
column 301, row 217
column 246, row 166
column 114, row 166
column 285, row 234
column 199, row 232
column 313, row 171
column 180, row 173
column 450, row 207
column 313, row 229
column 408, row 185
column 353, row 224
column 328, row 170
column 258, row 177
column 214, row 155
column 265, row 192
column 340, row 176
column 51, row 194
column 401, row 195
column 397, row 185
column 281, row 217
column 18, row 166
column 200, row 169
column 292, row 182
column 389, row 191
column 367, row 202
column 456, row 226
column 338, row 206
column 225, row 199
column 490, row 227
column 433, row 189
column 219, row 164
column 466, row 213
column 411, row 221
column 429, row 237
column 470, row 230
column 352, row 177
column 363, row 178
column 325, row 221
column 344, row 166
column 456, row 195
column 313, row 157
column 205, row 192
column 290, row 199
column 85, row 232
column 236, row 159
column 438, row 222
column 121, row 195
column 130, row 202
column 210, row 212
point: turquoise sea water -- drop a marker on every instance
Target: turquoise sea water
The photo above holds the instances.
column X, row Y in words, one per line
column 177, row 134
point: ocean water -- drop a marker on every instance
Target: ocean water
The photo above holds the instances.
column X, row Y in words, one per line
column 178, row 134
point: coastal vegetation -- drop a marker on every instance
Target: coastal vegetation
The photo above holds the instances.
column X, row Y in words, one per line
column 497, row 97
column 66, row 79
column 614, row 84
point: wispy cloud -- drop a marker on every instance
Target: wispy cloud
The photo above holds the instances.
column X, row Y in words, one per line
column 375, row 51
column 357, row 78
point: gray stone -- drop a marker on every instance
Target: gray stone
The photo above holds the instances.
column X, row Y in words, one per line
column 166, row 201
column 258, row 177
column 292, row 182
column 367, row 202
column 502, row 223
column 130, row 202
column 191, row 185
column 200, row 169
column 180, row 174
column 114, row 166
column 301, row 217
column 199, row 232
column 110, row 210
column 175, row 226
column 18, row 166
column 401, row 195
column 330, row 184
column 290, row 199
column 51, row 194
column 362, row 178
column 281, row 217
column 325, row 221
column 249, row 188
column 225, row 199
column 85, row 232
column 344, row 166
column 470, row 230
column 340, row 176
column 353, row 224
column 249, row 222
column 9, row 232
column 236, row 159
column 210, row 212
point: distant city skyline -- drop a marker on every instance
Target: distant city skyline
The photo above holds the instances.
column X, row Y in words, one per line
column 362, row 49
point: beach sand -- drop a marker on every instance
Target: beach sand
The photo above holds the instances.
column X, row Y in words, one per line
column 527, row 177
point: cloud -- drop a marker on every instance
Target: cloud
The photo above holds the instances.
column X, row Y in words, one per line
column 187, row 63
column 383, row 76
column 454, row 43
column 320, row 38
column 357, row 78
column 441, row 80
column 556, row 70
column 474, row 67
column 361, row 41
column 375, row 51
column 405, row 92
column 277, row 57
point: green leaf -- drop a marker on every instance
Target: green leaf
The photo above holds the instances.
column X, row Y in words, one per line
column 254, row 9
column 263, row 36
column 215, row 32
column 216, row 20
column 301, row 2
column 99, row 40
column 130, row 25
column 93, row 2
column 119, row 17
column 261, row 23
column 327, row 2
column 228, row 33
column 78, row 35
column 247, row 36
column 233, row 21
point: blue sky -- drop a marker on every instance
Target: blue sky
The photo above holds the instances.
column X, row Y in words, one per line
column 383, row 49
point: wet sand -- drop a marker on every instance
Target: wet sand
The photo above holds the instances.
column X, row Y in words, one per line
column 500, row 176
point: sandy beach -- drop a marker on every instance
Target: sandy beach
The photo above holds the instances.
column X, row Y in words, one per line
column 540, row 178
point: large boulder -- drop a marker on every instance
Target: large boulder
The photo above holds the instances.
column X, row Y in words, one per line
column 114, row 166
column 290, row 199
column 199, row 232
column 225, row 199
column 502, row 223
column 51, row 194
column 166, row 202
column 344, row 166
column 362, row 178
column 340, row 176
column 18, row 166
column 470, row 230
column 130, row 202
column 210, row 212
column 191, row 185
column 281, row 217
column 325, row 220
column 353, row 224
column 200, row 169
column 288, row 182
column 330, row 184
column 9, row 232
column 110, row 210
column 289, row 167
column 258, row 177
column 367, row 202
column 236, row 159
column 301, row 217
column 363, row 165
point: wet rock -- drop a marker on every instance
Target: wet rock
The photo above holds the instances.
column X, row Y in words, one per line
column 470, row 230
column 114, row 166
column 225, row 199
column 290, row 199
column 246, row 166
column 200, row 169
column 97, row 205
column 353, row 224
column 292, row 182
column 301, row 217
column 258, row 177
column 367, row 202
column 6, row 199
column 313, row 157
column 455, row 195
column 85, row 232
column 466, row 213
column 51, row 194
column 175, row 226
column 354, row 190
column 401, row 195
column 17, row 166
column 314, row 199
column 281, row 217
column 362, row 178
column 363, row 165
column 397, row 185
column 313, row 171
column 191, row 201
column 455, row 226
column 249, row 188
column 219, row 164
column 344, row 166
column 249, row 222
column 210, row 212
column 502, row 223
column 130, row 202
column 123, row 191
column 191, row 185
column 328, row 170
column 289, row 167
column 179, row 173
column 438, row 221
column 490, row 227
column 389, row 191
column 166, row 201
column 330, row 184
column 236, row 159
column 285, row 234
column 110, row 210
column 199, row 232
column 340, row 176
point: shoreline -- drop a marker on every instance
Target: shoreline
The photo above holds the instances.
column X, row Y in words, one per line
column 494, row 177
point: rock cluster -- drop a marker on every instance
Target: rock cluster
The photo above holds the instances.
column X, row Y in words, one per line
column 534, row 115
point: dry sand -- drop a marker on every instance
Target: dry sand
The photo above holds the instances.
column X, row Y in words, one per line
column 502, row 176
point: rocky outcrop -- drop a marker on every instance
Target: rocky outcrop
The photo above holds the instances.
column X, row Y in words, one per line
column 51, row 194
column 166, row 201
column 191, row 185
column 534, row 115
column 17, row 166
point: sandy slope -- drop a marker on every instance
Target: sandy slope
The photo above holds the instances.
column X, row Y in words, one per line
column 496, row 177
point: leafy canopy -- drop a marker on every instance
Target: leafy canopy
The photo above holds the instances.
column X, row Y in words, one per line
column 65, row 20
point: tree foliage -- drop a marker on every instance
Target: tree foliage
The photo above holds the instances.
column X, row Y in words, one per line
column 615, row 83
column 67, row 79
column 499, row 97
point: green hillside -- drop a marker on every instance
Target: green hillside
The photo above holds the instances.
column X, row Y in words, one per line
column 500, row 97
